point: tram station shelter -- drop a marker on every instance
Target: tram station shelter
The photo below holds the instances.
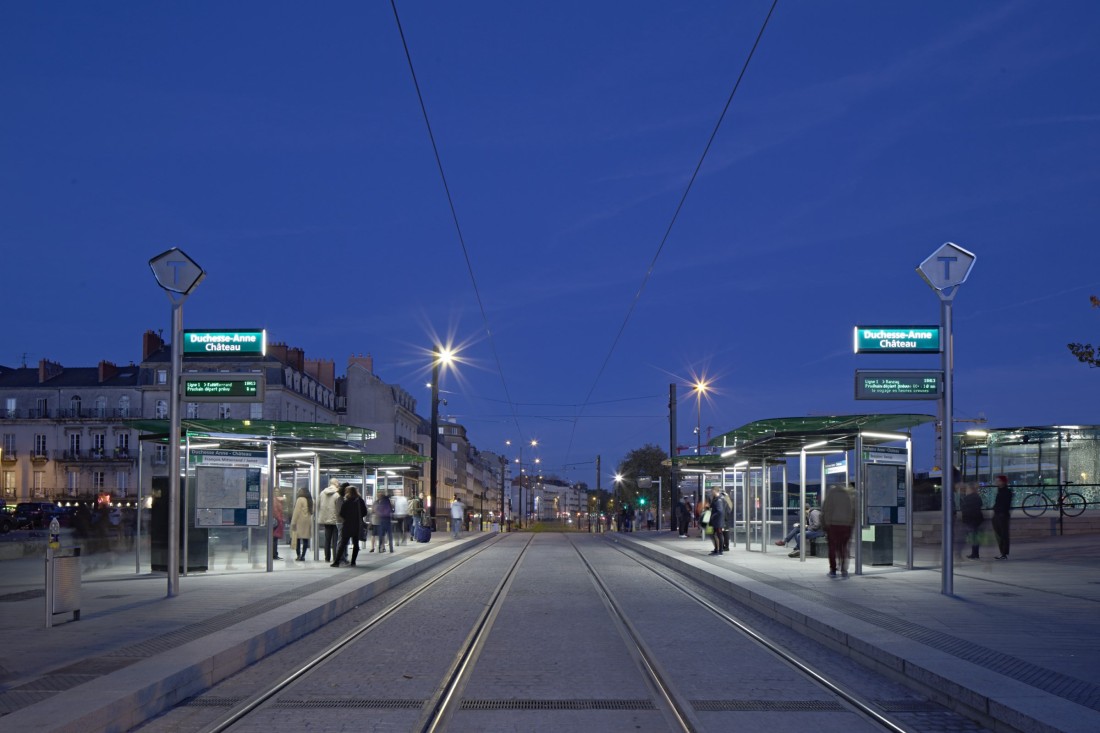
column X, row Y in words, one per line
column 239, row 477
column 1035, row 459
column 870, row 454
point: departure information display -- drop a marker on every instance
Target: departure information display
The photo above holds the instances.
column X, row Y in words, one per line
column 223, row 388
column 898, row 385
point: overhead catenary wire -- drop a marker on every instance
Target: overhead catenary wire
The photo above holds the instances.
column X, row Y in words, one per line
column 454, row 213
column 671, row 224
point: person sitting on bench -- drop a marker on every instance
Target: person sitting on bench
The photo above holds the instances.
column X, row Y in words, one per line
column 813, row 531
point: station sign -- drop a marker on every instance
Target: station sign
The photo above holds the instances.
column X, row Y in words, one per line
column 898, row 384
column 223, row 387
column 897, row 340
column 250, row 343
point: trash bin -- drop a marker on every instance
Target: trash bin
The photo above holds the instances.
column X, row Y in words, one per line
column 62, row 582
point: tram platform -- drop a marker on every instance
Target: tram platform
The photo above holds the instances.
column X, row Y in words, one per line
column 1014, row 643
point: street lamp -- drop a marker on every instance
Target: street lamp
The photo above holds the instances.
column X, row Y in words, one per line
column 522, row 505
column 440, row 357
column 700, row 388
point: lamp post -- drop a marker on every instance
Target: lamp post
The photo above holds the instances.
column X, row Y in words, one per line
column 440, row 356
column 522, row 504
column 700, row 388
column 503, row 460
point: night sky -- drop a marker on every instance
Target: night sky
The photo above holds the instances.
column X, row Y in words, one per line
column 283, row 147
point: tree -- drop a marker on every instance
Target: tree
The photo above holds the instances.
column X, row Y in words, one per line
column 646, row 461
column 1087, row 353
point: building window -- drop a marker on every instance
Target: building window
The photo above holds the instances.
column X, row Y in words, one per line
column 162, row 376
column 99, row 442
column 99, row 480
column 41, row 408
column 224, row 410
column 40, row 444
column 162, row 409
column 9, row 407
column 39, row 483
column 74, row 406
column 160, row 454
column 72, row 482
column 9, row 484
column 122, row 442
column 122, row 481
column 256, row 411
column 101, row 406
column 192, row 410
column 74, row 445
column 9, row 443
column 124, row 406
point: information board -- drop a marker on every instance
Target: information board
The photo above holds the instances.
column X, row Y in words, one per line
column 227, row 496
column 898, row 384
column 225, row 344
column 221, row 387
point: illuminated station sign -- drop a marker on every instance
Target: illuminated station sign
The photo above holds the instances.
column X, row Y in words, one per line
column 898, row 384
column 225, row 344
column 223, row 388
column 897, row 340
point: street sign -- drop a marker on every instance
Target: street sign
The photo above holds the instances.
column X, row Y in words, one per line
column 947, row 267
column 176, row 272
column 897, row 340
column 240, row 343
column 220, row 387
column 898, row 384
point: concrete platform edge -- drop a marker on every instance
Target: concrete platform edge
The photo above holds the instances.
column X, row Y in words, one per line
column 120, row 700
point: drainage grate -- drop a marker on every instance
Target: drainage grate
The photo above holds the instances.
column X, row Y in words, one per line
column 558, row 705
column 213, row 702
column 767, row 706
column 56, row 682
column 1001, row 594
column 344, row 702
column 909, row 706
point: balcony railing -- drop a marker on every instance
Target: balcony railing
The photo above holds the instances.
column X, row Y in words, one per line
column 91, row 413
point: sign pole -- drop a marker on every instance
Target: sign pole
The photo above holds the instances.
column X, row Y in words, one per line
column 944, row 270
column 178, row 275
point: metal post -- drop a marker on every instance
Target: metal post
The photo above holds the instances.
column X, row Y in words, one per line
column 137, row 517
column 271, row 479
column 674, row 485
column 947, row 364
column 861, row 515
column 174, row 425
column 909, row 502
column 802, row 500
column 183, row 502
column 433, row 448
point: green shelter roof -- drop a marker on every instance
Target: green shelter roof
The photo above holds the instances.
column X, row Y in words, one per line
column 779, row 438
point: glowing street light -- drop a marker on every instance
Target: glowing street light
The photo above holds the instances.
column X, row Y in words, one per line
column 440, row 357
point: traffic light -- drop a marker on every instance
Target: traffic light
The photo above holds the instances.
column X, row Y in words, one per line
column 642, row 501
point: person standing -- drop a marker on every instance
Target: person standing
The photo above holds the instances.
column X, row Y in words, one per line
column 328, row 516
column 400, row 516
column 352, row 512
column 1002, row 509
column 301, row 520
column 383, row 509
column 458, row 510
column 970, row 513
column 278, row 525
column 683, row 517
column 717, row 521
column 838, row 514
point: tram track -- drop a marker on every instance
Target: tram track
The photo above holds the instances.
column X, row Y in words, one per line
column 501, row 615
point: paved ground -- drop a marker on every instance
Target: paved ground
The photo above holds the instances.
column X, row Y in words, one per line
column 1015, row 640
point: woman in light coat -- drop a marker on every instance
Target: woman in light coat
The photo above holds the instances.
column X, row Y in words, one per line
column 301, row 522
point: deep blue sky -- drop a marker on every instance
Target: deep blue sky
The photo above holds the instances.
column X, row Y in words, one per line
column 281, row 145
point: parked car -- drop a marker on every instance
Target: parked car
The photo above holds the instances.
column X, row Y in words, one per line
column 34, row 514
column 7, row 518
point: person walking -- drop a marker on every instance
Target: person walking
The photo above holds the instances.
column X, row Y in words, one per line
column 352, row 512
column 301, row 521
column 717, row 521
column 1002, row 509
column 838, row 515
column 458, row 510
column 328, row 516
column 400, row 516
column 383, row 509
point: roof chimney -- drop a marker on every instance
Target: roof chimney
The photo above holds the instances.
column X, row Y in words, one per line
column 107, row 370
column 48, row 370
column 151, row 343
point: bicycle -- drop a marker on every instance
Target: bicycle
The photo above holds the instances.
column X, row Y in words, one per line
column 1068, row 503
